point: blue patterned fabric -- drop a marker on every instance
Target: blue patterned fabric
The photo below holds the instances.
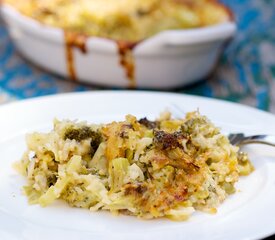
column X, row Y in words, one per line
column 246, row 71
column 20, row 79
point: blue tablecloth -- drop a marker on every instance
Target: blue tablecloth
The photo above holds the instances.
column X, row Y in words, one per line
column 246, row 71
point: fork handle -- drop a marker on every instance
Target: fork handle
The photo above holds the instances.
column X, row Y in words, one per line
column 263, row 139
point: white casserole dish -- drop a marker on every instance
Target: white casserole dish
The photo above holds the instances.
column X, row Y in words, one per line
column 170, row 59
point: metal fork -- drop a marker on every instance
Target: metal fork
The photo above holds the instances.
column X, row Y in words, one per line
column 238, row 139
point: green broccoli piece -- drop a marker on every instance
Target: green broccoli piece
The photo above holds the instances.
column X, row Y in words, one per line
column 82, row 133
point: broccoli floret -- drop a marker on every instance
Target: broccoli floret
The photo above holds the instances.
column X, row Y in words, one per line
column 82, row 133
column 79, row 134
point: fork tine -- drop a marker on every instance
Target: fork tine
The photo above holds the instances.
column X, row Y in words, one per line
column 236, row 138
column 232, row 138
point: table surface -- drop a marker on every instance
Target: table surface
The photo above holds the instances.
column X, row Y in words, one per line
column 245, row 73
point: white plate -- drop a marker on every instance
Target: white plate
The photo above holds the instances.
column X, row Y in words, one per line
column 248, row 214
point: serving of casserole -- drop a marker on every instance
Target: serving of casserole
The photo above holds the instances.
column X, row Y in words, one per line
column 150, row 169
